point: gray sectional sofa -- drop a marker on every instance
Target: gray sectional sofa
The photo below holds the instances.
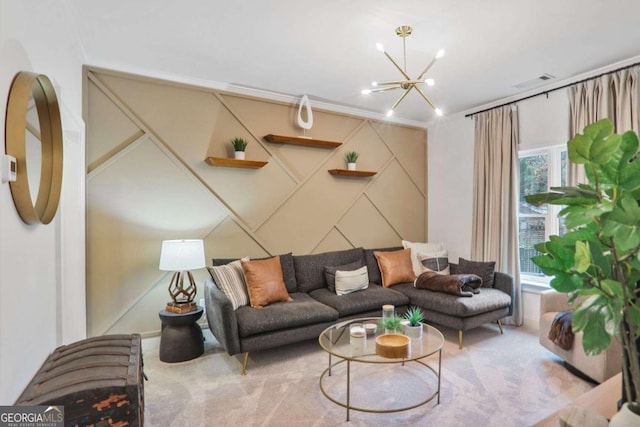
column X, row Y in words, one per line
column 315, row 307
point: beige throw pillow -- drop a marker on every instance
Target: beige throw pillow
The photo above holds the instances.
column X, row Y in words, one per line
column 434, row 249
column 351, row 281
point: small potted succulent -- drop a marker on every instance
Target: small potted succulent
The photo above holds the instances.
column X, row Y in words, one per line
column 414, row 316
column 239, row 145
column 351, row 158
column 391, row 324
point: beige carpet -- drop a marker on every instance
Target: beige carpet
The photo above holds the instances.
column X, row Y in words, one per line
column 496, row 380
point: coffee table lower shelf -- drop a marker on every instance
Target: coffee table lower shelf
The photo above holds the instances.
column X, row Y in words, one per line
column 347, row 405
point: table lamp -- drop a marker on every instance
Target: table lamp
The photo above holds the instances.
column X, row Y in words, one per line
column 180, row 256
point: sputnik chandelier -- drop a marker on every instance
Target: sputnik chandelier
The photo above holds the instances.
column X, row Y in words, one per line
column 408, row 83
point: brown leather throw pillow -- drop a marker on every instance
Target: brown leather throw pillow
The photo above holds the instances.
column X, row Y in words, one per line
column 395, row 267
column 265, row 282
column 560, row 332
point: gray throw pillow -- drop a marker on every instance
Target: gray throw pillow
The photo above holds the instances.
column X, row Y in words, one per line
column 486, row 270
column 330, row 272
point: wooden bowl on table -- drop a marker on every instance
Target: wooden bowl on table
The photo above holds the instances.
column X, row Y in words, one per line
column 392, row 346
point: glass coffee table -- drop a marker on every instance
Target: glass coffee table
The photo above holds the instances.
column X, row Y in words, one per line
column 337, row 341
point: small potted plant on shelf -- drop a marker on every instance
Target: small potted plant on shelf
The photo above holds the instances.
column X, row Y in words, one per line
column 239, row 145
column 351, row 157
column 415, row 317
column 391, row 324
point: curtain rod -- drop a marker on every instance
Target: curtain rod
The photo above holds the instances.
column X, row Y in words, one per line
column 547, row 92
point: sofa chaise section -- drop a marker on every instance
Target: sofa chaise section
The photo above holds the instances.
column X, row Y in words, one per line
column 464, row 313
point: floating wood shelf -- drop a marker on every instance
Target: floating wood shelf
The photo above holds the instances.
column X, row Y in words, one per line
column 296, row 140
column 345, row 172
column 234, row 163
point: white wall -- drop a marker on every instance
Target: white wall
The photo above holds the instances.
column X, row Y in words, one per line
column 544, row 121
column 42, row 302
column 450, row 185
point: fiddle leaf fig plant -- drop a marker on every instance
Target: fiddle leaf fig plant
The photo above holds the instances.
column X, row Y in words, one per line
column 598, row 259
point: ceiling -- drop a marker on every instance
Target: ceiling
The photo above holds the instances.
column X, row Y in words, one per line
column 326, row 49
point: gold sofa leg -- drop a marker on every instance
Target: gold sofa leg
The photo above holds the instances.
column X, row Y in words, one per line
column 244, row 363
column 460, row 339
column 500, row 326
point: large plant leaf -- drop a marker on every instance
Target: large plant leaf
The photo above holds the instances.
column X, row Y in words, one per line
column 602, row 150
column 579, row 149
column 601, row 260
column 622, row 223
column 629, row 170
column 599, row 130
column 564, row 196
column 567, row 282
column 597, row 321
column 540, row 247
column 610, row 170
column 613, row 288
column 582, row 257
column 581, row 234
column 634, row 262
column 548, row 264
column 634, row 315
column 577, row 216
column 589, row 147
column 617, row 169
column 563, row 255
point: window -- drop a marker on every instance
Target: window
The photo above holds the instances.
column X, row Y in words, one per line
column 539, row 170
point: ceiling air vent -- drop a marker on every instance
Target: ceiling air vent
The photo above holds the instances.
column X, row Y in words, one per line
column 544, row 78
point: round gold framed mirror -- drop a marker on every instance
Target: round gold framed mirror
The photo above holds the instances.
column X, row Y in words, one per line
column 28, row 91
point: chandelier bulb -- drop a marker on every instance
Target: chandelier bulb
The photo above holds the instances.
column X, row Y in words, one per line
column 380, row 47
column 389, row 113
column 439, row 112
column 374, row 84
column 430, row 82
column 440, row 54
column 365, row 91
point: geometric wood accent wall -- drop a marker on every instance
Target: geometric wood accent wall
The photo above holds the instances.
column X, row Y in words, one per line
column 147, row 181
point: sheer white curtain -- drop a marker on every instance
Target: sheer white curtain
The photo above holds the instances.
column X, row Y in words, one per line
column 495, row 198
column 614, row 96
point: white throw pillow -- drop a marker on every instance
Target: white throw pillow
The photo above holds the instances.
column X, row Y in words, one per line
column 351, row 281
column 433, row 249
column 230, row 280
column 436, row 263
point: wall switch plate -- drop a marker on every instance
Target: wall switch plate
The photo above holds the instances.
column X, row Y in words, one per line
column 9, row 168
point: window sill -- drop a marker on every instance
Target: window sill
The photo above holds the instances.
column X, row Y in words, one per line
column 534, row 287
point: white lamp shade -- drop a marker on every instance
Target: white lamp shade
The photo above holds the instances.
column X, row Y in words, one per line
column 182, row 255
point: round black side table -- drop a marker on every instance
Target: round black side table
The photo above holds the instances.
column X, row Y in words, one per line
column 181, row 338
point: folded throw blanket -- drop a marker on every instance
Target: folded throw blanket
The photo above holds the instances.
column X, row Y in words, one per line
column 560, row 332
column 462, row 285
